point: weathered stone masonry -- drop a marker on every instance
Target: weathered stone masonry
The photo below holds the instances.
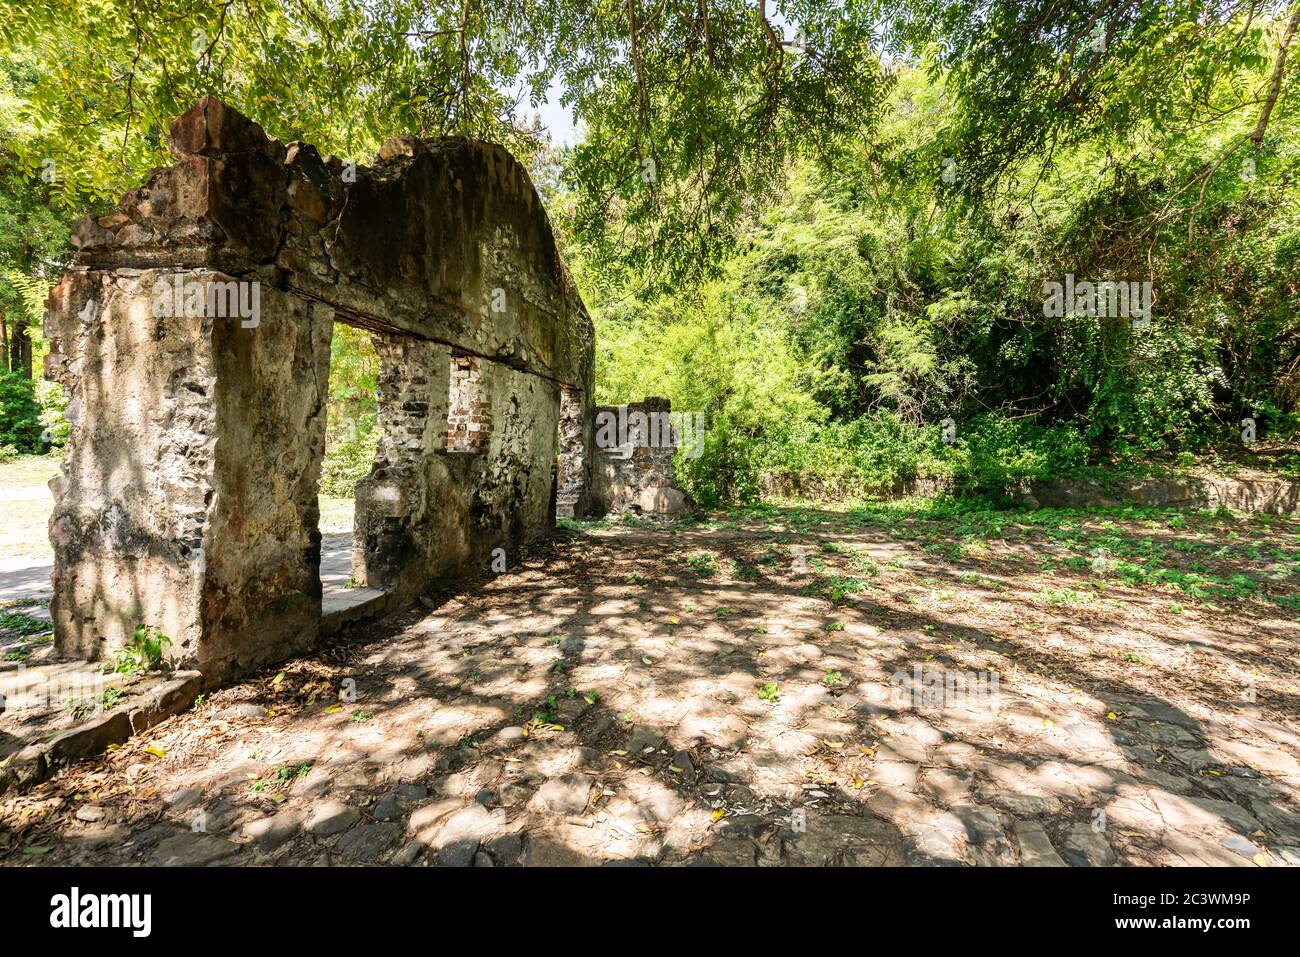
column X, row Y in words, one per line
column 636, row 475
column 575, row 468
column 188, row 498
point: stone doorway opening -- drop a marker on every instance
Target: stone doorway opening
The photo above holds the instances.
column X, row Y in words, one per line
column 351, row 442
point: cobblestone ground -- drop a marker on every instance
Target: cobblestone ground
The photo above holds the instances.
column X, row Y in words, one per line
column 876, row 687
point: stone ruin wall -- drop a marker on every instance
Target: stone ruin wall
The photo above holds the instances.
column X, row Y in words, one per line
column 188, row 497
column 573, row 470
column 636, row 473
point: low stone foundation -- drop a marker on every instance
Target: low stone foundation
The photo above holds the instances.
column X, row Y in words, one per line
column 788, row 485
column 1272, row 496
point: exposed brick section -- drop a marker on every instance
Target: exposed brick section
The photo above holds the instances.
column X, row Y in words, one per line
column 469, row 406
column 403, row 397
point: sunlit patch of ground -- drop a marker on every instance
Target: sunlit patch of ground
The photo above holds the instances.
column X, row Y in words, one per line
column 25, row 504
column 336, row 515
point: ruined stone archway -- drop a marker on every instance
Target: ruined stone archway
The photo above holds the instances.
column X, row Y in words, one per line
column 188, row 498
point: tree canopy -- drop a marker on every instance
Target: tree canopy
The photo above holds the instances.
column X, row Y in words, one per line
column 827, row 223
column 690, row 110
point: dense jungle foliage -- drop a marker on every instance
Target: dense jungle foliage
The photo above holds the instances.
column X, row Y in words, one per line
column 826, row 226
column 872, row 301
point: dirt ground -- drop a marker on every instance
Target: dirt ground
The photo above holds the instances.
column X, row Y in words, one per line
column 909, row 683
column 24, row 526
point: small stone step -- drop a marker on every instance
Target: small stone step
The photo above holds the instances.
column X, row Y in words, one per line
column 348, row 606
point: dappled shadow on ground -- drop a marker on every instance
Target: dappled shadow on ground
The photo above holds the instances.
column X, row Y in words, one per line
column 24, row 579
column 778, row 687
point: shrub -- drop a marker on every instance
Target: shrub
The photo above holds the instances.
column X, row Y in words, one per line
column 20, row 413
column 54, row 405
column 726, row 469
column 347, row 463
column 992, row 452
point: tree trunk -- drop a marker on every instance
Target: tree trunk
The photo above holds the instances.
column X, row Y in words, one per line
column 20, row 349
column 1275, row 84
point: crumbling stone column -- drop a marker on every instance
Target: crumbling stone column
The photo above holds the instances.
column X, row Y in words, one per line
column 574, row 467
column 187, row 500
column 393, row 510
column 442, row 495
